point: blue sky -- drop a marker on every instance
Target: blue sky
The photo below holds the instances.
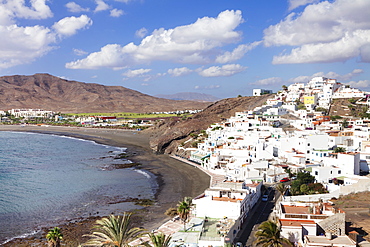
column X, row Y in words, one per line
column 217, row 47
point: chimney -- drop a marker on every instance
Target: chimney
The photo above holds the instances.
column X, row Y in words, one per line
column 328, row 235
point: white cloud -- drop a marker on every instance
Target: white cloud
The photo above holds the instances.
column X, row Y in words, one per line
column 296, row 3
column 37, row 10
column 9, row 10
column 79, row 52
column 70, row 25
column 116, row 12
column 136, row 73
column 323, row 32
column 184, row 44
column 124, row 1
column 237, row 53
column 360, row 84
column 338, row 51
column 207, row 87
column 331, row 75
column 75, row 8
column 269, row 81
column 179, row 71
column 225, row 70
column 20, row 45
column 141, row 32
column 24, row 44
column 101, row 6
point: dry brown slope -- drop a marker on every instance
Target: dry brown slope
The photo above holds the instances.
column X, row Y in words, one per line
column 167, row 135
column 44, row 91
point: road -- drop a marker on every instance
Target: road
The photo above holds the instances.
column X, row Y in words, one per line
column 259, row 213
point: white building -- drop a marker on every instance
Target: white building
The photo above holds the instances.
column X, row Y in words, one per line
column 259, row 92
column 30, row 113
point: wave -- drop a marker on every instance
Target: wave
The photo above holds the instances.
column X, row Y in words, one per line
column 120, row 149
column 145, row 173
column 26, row 235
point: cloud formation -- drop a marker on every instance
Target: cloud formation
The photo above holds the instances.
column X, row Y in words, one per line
column 101, row 6
column 207, row 87
column 9, row 10
column 23, row 44
column 70, row 25
column 136, row 73
column 360, row 84
column 75, row 8
column 293, row 4
column 237, row 53
column 268, row 81
column 324, row 32
column 225, row 70
column 116, row 12
column 179, row 71
column 141, row 32
column 331, row 75
column 191, row 43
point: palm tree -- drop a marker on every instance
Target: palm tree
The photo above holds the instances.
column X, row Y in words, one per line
column 160, row 239
column 114, row 231
column 268, row 235
column 54, row 236
column 183, row 209
column 281, row 187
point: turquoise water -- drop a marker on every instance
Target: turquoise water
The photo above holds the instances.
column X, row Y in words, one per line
column 47, row 179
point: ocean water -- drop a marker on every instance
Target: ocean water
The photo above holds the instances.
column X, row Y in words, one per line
column 46, row 180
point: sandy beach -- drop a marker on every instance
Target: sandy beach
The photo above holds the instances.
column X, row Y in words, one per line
column 175, row 179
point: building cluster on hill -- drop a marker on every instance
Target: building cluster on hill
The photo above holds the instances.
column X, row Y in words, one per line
column 288, row 135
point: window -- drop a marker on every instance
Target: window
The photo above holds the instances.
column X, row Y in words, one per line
column 339, row 172
column 316, row 173
column 308, row 144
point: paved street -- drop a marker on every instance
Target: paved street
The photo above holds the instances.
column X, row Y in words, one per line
column 259, row 214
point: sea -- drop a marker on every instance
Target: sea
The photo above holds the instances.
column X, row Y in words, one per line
column 46, row 180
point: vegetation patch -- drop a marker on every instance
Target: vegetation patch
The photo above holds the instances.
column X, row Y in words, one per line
column 137, row 201
column 124, row 166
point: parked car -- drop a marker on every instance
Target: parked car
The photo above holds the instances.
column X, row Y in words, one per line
column 265, row 198
column 239, row 244
column 283, row 180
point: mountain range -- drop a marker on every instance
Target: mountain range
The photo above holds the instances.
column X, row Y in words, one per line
column 47, row 92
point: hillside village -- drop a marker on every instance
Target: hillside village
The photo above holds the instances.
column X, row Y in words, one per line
column 290, row 139
column 284, row 140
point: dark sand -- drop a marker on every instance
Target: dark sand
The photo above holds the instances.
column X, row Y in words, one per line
column 176, row 179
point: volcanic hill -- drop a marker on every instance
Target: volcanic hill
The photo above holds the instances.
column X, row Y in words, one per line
column 47, row 92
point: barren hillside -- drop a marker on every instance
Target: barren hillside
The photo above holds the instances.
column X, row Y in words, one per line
column 166, row 136
column 44, row 91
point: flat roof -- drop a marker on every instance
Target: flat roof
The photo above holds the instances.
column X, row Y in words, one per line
column 286, row 222
column 226, row 199
column 336, row 240
column 295, row 209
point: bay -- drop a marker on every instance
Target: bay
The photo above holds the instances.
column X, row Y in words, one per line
column 48, row 179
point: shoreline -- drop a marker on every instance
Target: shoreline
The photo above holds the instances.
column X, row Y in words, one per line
column 175, row 179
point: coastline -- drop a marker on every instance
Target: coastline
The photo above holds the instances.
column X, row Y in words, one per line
column 175, row 179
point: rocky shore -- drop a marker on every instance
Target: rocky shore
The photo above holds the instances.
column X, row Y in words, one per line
column 175, row 179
